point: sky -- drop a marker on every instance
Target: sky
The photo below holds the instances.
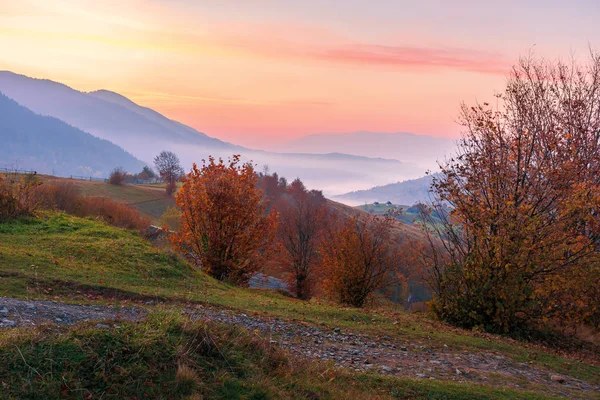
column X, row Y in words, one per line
column 261, row 72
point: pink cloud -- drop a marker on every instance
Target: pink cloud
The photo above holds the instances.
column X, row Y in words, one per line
column 402, row 56
column 324, row 46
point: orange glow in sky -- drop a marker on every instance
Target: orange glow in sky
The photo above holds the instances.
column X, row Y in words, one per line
column 255, row 72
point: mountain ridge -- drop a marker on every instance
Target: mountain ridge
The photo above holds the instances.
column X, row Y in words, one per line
column 87, row 112
column 407, row 192
column 49, row 145
column 145, row 132
column 422, row 150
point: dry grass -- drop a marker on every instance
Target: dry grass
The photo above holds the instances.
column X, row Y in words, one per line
column 150, row 200
column 61, row 195
column 112, row 212
column 64, row 195
column 187, row 376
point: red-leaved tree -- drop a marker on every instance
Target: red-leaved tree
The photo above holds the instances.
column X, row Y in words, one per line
column 521, row 243
column 224, row 228
column 302, row 216
column 359, row 257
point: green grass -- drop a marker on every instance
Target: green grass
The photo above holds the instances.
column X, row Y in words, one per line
column 380, row 208
column 83, row 260
column 59, row 248
column 169, row 357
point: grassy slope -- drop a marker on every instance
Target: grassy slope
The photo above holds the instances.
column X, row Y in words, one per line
column 167, row 356
column 78, row 259
column 401, row 232
column 409, row 215
column 149, row 199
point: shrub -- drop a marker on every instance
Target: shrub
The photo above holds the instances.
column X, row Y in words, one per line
column 59, row 195
column 112, row 212
column 9, row 204
column 17, row 195
column 22, row 195
column 117, row 176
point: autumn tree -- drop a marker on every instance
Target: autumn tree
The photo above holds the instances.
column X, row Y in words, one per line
column 359, row 257
column 169, row 168
column 521, row 240
column 224, row 228
column 117, row 176
column 301, row 217
column 272, row 185
column 147, row 173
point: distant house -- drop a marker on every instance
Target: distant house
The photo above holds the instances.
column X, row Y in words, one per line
column 148, row 181
column 375, row 203
column 389, row 203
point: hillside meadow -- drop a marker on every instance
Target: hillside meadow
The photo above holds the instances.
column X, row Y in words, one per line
column 150, row 199
column 73, row 260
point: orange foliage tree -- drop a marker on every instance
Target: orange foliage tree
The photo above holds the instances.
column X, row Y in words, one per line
column 272, row 185
column 301, row 220
column 224, row 228
column 521, row 240
column 359, row 258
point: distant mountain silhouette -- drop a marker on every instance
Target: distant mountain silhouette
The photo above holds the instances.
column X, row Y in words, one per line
column 420, row 150
column 144, row 133
column 48, row 145
column 183, row 132
column 405, row 193
column 103, row 114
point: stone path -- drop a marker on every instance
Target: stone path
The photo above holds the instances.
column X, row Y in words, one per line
column 359, row 352
column 17, row 312
column 362, row 352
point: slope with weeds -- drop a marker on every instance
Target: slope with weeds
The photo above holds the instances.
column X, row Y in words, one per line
column 61, row 257
column 168, row 356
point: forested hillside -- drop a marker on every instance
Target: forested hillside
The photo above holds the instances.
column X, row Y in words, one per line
column 49, row 145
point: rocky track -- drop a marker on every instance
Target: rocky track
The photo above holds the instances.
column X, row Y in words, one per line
column 420, row 360
column 359, row 352
column 17, row 312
